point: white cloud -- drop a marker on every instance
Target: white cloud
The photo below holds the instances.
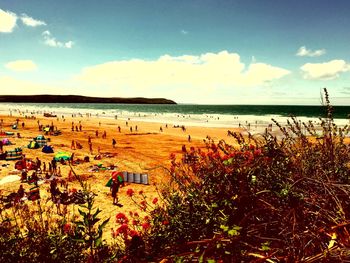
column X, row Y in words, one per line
column 7, row 21
column 52, row 42
column 29, row 21
column 184, row 32
column 209, row 72
column 325, row 71
column 21, row 65
column 304, row 52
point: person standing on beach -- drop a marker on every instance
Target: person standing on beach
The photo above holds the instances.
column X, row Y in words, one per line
column 20, row 192
column 73, row 145
column 119, row 129
column 38, row 164
column 54, row 165
column 114, row 142
column 90, row 147
column 189, row 138
column 114, row 189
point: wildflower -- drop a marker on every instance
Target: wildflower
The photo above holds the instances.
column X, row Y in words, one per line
column 257, row 152
column 67, row 227
column 136, row 214
column 155, row 200
column 121, row 218
column 133, row 233
column 146, row 226
column 130, row 192
column 135, row 222
column 123, row 229
column 141, row 192
column 165, row 222
column 146, row 218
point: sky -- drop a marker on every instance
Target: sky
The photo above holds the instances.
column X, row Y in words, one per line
column 190, row 51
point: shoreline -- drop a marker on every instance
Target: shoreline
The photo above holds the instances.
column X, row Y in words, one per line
column 257, row 123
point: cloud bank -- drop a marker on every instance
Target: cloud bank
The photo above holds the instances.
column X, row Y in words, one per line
column 325, row 71
column 208, row 71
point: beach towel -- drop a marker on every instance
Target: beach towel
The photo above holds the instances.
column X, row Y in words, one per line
column 14, row 155
column 9, row 179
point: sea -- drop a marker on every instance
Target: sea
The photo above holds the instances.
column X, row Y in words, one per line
column 229, row 116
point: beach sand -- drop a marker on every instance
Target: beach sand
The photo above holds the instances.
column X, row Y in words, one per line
column 146, row 150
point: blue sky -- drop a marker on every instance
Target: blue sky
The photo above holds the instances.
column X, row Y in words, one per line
column 216, row 52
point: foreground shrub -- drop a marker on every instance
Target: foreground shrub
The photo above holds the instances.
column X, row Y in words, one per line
column 265, row 199
column 25, row 236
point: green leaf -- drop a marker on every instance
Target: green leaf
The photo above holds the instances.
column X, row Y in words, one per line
column 79, row 240
column 265, row 246
column 233, row 232
column 224, row 228
column 98, row 241
column 82, row 213
column 100, row 227
column 96, row 213
column 211, row 260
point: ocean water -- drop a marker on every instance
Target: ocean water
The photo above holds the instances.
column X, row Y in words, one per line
column 184, row 114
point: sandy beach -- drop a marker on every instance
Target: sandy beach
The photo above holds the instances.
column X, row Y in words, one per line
column 145, row 150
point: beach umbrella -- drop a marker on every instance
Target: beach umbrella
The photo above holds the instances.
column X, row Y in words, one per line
column 62, row 155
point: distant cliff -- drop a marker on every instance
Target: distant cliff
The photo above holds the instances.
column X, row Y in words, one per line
column 80, row 99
